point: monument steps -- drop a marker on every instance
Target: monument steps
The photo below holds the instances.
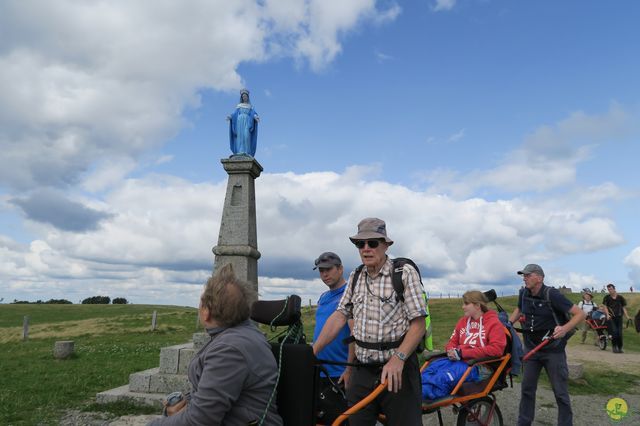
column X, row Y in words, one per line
column 150, row 387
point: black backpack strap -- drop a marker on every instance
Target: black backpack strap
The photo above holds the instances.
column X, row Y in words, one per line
column 354, row 281
column 396, row 277
column 553, row 310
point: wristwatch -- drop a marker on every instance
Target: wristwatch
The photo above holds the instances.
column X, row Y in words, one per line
column 401, row 355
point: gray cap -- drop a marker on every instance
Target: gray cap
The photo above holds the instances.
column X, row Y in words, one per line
column 532, row 268
column 371, row 228
column 327, row 259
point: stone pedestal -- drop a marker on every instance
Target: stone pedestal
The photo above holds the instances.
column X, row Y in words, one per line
column 576, row 370
column 63, row 349
column 238, row 240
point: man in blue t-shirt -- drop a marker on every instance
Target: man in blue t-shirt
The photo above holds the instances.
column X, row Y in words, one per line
column 541, row 311
column 330, row 267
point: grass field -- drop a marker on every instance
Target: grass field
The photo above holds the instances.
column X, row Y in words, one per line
column 113, row 341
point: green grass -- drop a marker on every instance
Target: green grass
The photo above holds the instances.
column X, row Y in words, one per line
column 113, row 341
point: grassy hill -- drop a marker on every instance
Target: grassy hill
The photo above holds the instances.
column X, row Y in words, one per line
column 113, row 341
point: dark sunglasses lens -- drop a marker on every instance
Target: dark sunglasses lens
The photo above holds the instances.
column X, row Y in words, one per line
column 373, row 243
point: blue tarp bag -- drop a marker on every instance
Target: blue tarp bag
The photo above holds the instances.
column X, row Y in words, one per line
column 442, row 375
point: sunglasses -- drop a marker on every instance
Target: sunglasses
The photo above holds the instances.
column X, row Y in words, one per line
column 371, row 243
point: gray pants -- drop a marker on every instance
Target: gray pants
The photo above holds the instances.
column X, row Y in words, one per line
column 555, row 364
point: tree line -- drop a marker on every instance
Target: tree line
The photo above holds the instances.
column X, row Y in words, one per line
column 95, row 300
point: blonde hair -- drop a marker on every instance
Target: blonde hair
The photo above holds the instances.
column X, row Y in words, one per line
column 475, row 296
column 227, row 298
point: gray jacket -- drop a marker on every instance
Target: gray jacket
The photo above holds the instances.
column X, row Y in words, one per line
column 232, row 378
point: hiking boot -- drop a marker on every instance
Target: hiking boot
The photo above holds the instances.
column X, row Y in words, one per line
column 620, row 351
column 616, row 350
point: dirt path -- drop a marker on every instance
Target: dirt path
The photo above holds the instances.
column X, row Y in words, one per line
column 587, row 409
column 591, row 353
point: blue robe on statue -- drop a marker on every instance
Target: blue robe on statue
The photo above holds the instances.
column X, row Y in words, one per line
column 243, row 130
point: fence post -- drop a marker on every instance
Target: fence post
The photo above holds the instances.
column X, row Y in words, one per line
column 309, row 302
column 25, row 328
column 154, row 318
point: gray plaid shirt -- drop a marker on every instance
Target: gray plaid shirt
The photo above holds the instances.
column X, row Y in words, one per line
column 377, row 316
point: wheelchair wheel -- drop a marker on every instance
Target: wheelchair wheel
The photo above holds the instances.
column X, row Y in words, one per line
column 602, row 342
column 479, row 412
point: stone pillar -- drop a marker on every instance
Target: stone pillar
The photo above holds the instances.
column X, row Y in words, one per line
column 238, row 239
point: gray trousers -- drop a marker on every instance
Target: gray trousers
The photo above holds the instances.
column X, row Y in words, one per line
column 555, row 364
column 401, row 409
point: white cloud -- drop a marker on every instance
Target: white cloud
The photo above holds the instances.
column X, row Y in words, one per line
column 547, row 159
column 87, row 82
column 456, row 136
column 632, row 261
column 161, row 229
column 444, row 5
column 382, row 57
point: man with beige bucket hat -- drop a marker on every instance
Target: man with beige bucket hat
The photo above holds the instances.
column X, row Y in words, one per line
column 386, row 329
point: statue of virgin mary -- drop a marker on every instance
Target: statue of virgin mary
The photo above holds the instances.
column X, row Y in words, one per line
column 243, row 127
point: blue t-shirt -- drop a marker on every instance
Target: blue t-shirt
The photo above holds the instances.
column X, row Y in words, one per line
column 336, row 350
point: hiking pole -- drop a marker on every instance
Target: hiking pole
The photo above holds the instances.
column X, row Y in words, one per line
column 545, row 340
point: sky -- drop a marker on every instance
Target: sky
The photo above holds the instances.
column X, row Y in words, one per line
column 488, row 134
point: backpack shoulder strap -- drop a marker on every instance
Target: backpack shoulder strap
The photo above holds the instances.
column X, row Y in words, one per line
column 356, row 276
column 396, row 277
column 547, row 290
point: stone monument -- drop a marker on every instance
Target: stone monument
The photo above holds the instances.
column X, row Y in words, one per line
column 238, row 239
column 237, row 244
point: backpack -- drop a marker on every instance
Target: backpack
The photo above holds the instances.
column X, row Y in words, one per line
column 561, row 318
column 398, row 288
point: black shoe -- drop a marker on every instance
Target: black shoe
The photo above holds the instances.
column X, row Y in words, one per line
column 620, row 351
column 616, row 350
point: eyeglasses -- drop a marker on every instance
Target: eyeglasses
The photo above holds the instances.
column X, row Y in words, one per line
column 371, row 243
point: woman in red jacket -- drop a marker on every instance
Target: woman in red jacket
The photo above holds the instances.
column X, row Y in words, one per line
column 479, row 333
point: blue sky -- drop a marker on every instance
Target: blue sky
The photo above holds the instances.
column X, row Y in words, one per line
column 488, row 134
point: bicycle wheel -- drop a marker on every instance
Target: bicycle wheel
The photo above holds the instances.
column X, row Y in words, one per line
column 480, row 412
column 602, row 342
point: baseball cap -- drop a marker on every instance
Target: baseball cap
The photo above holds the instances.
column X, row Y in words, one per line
column 532, row 268
column 327, row 259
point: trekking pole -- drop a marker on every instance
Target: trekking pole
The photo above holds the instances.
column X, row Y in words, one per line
column 545, row 340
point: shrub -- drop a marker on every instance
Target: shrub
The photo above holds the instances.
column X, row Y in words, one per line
column 58, row 302
column 119, row 301
column 97, row 300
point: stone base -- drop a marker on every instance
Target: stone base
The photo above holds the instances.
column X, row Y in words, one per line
column 576, row 370
column 124, row 394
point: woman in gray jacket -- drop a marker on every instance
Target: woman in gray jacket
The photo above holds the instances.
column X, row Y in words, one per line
column 233, row 377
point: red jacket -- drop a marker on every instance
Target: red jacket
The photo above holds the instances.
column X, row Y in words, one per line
column 479, row 338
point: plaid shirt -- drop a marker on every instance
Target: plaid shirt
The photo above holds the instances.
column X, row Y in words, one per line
column 377, row 316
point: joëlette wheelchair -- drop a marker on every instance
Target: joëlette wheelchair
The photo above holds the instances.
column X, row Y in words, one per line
column 299, row 375
column 596, row 321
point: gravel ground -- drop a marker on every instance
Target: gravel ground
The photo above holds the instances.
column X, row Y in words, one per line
column 587, row 409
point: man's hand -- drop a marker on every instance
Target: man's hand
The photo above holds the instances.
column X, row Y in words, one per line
column 345, row 377
column 175, row 408
column 560, row 331
column 392, row 373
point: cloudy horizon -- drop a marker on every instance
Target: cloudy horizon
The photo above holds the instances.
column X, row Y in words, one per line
column 483, row 144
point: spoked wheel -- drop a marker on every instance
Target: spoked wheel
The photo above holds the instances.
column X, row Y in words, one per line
column 602, row 342
column 480, row 412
